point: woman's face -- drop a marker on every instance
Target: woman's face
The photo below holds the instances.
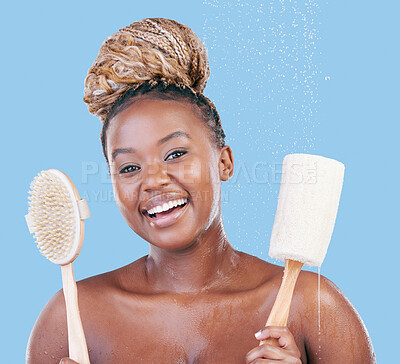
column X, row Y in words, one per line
column 166, row 171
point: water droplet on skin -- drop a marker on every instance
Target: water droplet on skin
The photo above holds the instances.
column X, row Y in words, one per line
column 45, row 352
column 319, row 301
column 319, row 310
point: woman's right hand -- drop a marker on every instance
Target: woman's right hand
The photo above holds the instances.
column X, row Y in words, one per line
column 286, row 352
column 67, row 361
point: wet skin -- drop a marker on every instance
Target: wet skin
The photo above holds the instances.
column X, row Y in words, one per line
column 193, row 298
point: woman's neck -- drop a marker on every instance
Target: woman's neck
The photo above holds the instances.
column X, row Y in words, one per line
column 205, row 264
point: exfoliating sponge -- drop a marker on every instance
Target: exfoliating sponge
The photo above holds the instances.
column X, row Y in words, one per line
column 307, row 206
column 56, row 218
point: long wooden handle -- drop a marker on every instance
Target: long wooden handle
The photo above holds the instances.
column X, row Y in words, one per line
column 76, row 337
column 280, row 310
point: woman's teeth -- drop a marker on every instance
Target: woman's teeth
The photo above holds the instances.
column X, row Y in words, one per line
column 167, row 206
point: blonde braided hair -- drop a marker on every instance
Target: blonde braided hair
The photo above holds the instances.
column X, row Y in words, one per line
column 152, row 50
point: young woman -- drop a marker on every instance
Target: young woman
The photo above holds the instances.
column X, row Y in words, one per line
column 193, row 298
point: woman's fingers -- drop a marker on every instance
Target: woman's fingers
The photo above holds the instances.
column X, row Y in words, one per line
column 281, row 333
column 264, row 351
column 286, row 352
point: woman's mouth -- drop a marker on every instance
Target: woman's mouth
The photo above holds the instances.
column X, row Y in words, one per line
column 167, row 213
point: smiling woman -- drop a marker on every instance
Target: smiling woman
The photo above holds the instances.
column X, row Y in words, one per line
column 193, row 298
column 171, row 160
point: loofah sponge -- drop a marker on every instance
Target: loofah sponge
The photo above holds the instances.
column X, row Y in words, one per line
column 307, row 207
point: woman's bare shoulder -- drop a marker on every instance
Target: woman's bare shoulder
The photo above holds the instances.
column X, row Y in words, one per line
column 49, row 336
column 320, row 315
column 329, row 321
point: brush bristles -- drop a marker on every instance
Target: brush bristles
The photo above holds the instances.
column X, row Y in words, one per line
column 52, row 216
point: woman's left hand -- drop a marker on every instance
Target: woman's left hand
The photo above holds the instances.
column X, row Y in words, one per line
column 286, row 352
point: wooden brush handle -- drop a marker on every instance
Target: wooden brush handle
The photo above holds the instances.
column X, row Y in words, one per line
column 280, row 310
column 76, row 337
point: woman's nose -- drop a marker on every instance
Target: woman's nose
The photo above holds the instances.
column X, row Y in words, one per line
column 155, row 176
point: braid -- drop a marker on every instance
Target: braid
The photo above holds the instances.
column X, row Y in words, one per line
column 151, row 49
column 152, row 55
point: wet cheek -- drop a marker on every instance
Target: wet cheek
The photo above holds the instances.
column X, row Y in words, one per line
column 206, row 188
column 195, row 174
column 126, row 198
column 190, row 174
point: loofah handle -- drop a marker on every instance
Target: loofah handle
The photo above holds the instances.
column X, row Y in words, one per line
column 280, row 310
column 76, row 336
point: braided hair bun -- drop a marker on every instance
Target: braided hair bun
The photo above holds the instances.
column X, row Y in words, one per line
column 151, row 50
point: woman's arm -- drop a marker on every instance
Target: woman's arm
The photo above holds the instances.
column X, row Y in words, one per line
column 341, row 336
column 48, row 341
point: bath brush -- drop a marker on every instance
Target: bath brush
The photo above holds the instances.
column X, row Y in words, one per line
column 305, row 217
column 56, row 218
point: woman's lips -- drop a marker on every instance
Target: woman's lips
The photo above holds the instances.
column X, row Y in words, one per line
column 167, row 218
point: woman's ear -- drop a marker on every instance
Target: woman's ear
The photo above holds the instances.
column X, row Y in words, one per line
column 226, row 163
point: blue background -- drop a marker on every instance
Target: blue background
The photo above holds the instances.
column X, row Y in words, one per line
column 286, row 76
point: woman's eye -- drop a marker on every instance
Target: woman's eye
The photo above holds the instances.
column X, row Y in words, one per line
column 175, row 154
column 129, row 169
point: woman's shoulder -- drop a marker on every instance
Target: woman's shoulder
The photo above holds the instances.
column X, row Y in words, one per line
column 96, row 295
column 314, row 291
column 310, row 288
column 321, row 315
column 329, row 320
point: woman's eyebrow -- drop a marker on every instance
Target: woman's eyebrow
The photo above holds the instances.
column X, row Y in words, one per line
column 175, row 134
column 122, row 150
